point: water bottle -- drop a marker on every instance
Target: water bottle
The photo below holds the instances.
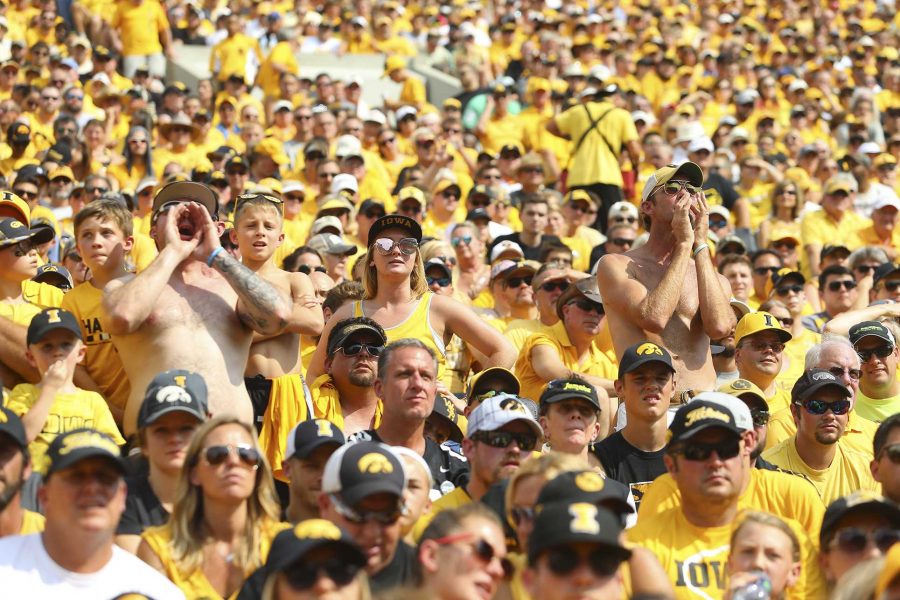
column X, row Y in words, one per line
column 758, row 589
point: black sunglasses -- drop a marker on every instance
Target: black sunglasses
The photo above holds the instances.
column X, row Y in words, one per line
column 588, row 306
column 354, row 349
column 441, row 281
column 893, row 453
column 849, row 284
column 820, row 407
column 303, row 575
column 697, row 451
column 765, row 270
column 784, row 290
column 216, row 455
column 891, row 286
column 853, row 540
column 502, row 439
column 514, row 282
column 552, row 286
column 564, row 561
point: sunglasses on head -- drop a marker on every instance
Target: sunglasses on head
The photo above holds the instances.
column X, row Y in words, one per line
column 354, row 349
column 303, row 575
column 854, row 540
column 820, row 407
column 441, row 281
column 552, row 286
column 784, row 290
column 503, row 439
column 514, row 282
column 564, row 561
column 383, row 517
column 216, row 455
column 407, row 246
column 880, row 352
column 849, row 284
column 697, row 451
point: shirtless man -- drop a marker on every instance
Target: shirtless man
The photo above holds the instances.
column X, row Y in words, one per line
column 195, row 307
column 671, row 293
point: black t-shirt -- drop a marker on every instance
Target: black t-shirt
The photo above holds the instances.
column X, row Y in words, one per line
column 448, row 466
column 625, row 463
column 716, row 185
column 398, row 572
column 142, row 508
column 531, row 252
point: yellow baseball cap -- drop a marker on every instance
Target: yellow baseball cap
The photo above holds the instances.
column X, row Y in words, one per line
column 411, row 192
column 273, row 149
column 741, row 387
column 690, row 170
column 758, row 322
column 394, row 63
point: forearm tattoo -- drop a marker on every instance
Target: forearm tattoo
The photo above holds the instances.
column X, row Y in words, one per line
column 260, row 299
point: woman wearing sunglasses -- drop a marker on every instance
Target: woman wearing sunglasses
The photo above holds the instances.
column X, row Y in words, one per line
column 397, row 297
column 786, row 200
column 474, row 274
column 462, row 554
column 224, row 516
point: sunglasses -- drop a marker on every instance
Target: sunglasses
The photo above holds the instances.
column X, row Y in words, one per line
column 893, row 453
column 552, row 286
column 880, row 352
column 480, row 203
column 765, row 270
column 295, row 197
column 820, row 407
column 622, row 242
column 784, row 245
column 354, row 349
column 588, row 306
column 464, row 240
column 564, row 561
column 761, row 346
column 96, row 190
column 717, row 223
column 865, row 269
column 853, row 540
column 303, row 575
column 785, row 321
column 306, row 269
column 514, row 282
column 373, row 214
column 387, row 141
column 788, row 289
column 521, row 514
column 447, row 260
column 760, row 416
column 849, row 284
column 407, row 246
column 383, row 517
column 441, row 281
column 697, row 451
column 853, row 374
column 502, row 439
column 625, row 220
column 216, row 455
column 891, row 286
column 673, row 187
column 583, row 208
column 25, row 195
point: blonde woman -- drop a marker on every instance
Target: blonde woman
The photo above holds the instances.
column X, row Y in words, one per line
column 763, row 544
column 224, row 516
column 397, row 297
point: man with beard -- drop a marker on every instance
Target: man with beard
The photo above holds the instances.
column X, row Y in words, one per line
column 820, row 405
column 345, row 394
column 15, row 468
column 759, row 346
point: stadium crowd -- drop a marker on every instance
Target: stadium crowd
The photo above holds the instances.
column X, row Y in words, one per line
column 618, row 320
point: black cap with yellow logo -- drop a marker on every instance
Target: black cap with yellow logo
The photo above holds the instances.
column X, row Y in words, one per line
column 392, row 221
column 586, row 486
column 566, row 523
column 697, row 416
column 641, row 354
column 13, row 231
column 74, row 446
column 357, row 471
column 570, row 389
column 292, row 545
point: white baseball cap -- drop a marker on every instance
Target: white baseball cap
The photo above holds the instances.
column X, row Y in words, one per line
column 497, row 411
column 506, row 246
column 738, row 409
column 344, row 181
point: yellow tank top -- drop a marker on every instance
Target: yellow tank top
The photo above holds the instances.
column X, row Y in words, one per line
column 417, row 326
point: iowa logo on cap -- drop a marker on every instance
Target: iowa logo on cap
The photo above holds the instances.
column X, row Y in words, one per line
column 323, row 428
column 374, row 462
column 704, row 412
column 173, row 393
column 451, row 409
column 22, row 129
column 50, row 268
column 15, row 225
column 577, row 387
column 740, row 384
column 87, row 439
column 513, row 405
column 589, row 482
column 649, row 348
column 584, row 518
column 395, row 220
column 318, row 529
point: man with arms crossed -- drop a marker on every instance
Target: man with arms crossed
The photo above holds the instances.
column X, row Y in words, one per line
column 195, row 307
column 668, row 291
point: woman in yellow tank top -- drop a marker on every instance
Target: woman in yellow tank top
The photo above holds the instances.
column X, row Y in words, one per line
column 224, row 517
column 397, row 297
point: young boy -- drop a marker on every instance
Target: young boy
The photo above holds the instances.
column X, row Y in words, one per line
column 103, row 234
column 55, row 405
column 273, row 374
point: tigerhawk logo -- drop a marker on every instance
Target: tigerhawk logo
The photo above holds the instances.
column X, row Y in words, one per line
column 649, row 348
column 589, row 481
column 375, row 463
column 88, row 439
column 512, row 404
column 318, row 529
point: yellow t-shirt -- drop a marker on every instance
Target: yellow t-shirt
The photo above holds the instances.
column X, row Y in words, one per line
column 229, row 57
column 848, row 472
column 32, row 522
column 101, row 359
column 597, row 363
column 502, row 131
column 820, row 229
column 68, row 412
column 196, row 585
column 268, row 78
column 327, row 402
column 593, row 162
column 857, row 436
column 413, row 92
column 142, row 252
column 140, row 27
column 876, row 410
column 519, row 330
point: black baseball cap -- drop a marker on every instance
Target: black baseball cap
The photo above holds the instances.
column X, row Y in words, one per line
column 18, row 132
column 884, row 270
column 586, row 486
column 237, row 161
column 309, row 435
column 564, row 523
column 56, row 275
column 221, row 152
column 396, row 221
column 438, row 264
column 815, row 380
column 871, row 328
column 13, row 231
column 831, row 249
column 292, row 545
column 357, row 471
column 643, row 353
column 479, row 383
column 186, row 190
column 49, row 320
column 566, row 389
column 11, row 425
column 860, row 501
column 348, row 327
column 445, row 411
column 477, row 213
column 74, row 446
column 175, row 390
column 699, row 415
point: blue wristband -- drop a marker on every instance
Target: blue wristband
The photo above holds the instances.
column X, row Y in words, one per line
column 213, row 255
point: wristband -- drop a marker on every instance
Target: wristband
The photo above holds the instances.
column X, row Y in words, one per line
column 699, row 249
column 213, row 255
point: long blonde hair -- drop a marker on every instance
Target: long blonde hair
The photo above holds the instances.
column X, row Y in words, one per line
column 188, row 529
column 417, row 282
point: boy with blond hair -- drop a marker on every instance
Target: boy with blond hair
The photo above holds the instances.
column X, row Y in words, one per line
column 273, row 375
column 104, row 236
column 55, row 405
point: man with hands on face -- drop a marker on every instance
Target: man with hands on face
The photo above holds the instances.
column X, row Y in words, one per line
column 668, row 290
column 194, row 307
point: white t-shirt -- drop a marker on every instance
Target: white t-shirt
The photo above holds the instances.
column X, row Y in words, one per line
column 27, row 571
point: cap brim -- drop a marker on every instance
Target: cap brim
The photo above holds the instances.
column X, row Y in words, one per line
column 80, row 454
column 313, row 446
column 818, row 387
column 156, row 416
column 708, row 425
column 645, row 359
column 494, row 374
column 344, row 249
